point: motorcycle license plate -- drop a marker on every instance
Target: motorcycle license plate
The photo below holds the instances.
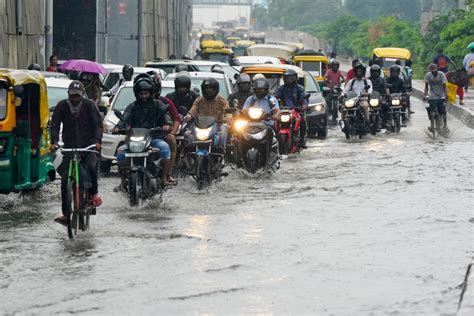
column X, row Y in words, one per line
column 136, row 155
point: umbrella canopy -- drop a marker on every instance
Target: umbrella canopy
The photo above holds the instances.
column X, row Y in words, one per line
column 83, row 65
column 470, row 46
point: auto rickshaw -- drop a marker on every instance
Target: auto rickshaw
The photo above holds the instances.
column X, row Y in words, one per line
column 25, row 155
column 316, row 65
column 211, row 44
column 257, row 37
column 242, row 32
column 207, row 35
column 240, row 47
column 217, row 54
column 231, row 40
column 389, row 55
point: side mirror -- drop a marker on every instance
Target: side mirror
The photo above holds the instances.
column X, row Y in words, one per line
column 236, row 76
column 119, row 115
column 18, row 90
column 235, row 103
column 307, row 95
column 367, row 87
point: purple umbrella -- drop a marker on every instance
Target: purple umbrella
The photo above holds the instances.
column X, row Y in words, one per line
column 83, row 65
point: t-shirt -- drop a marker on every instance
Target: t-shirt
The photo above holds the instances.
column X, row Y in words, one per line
column 350, row 74
column 333, row 78
column 442, row 62
column 436, row 85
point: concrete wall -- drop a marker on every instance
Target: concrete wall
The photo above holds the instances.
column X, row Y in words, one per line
column 18, row 51
column 308, row 40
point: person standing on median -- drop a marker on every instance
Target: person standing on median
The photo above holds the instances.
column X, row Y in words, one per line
column 469, row 66
column 442, row 61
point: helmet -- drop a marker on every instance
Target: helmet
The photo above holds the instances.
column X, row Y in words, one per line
column 335, row 63
column 127, row 70
column 244, row 83
column 34, row 67
column 394, row 71
column 210, row 83
column 261, row 87
column 375, row 71
column 258, row 76
column 86, row 78
column 181, row 67
column 217, row 68
column 186, row 57
column 183, row 79
column 143, row 82
column 290, row 77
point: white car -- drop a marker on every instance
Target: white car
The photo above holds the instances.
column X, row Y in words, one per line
column 257, row 60
column 111, row 142
column 115, row 75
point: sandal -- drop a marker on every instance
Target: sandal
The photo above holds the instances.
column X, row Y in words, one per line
column 96, row 200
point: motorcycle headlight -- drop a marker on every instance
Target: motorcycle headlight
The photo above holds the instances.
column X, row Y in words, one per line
column 255, row 113
column 349, row 103
column 137, row 146
column 396, row 102
column 374, row 103
column 203, row 134
column 240, row 124
column 285, row 118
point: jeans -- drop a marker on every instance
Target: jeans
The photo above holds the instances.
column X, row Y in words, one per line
column 165, row 152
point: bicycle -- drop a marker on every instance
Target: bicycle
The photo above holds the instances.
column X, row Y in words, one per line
column 78, row 196
column 438, row 121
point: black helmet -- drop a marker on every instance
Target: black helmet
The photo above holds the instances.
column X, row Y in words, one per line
column 143, row 82
column 34, row 67
column 186, row 57
column 375, row 71
column 335, row 63
column 394, row 71
column 128, row 69
column 183, row 79
column 157, row 79
column 210, row 83
column 244, row 83
column 290, row 77
column 261, row 87
column 217, row 69
column 181, row 67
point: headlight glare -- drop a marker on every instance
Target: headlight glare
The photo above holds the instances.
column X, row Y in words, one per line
column 203, row 134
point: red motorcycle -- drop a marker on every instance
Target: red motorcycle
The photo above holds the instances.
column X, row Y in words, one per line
column 289, row 131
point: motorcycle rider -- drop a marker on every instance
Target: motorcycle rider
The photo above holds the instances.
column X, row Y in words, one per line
column 244, row 90
column 435, row 83
column 145, row 112
column 34, row 66
column 127, row 75
column 333, row 76
column 183, row 96
column 81, row 126
column 92, row 85
column 351, row 73
column 358, row 85
column 293, row 95
column 180, row 67
column 211, row 104
column 269, row 104
column 378, row 83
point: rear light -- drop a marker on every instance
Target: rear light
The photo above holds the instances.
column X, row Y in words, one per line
column 3, row 146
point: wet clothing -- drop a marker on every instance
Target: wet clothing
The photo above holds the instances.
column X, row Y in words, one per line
column 292, row 96
column 436, row 84
column 172, row 110
column 215, row 108
column 183, row 103
column 81, row 129
column 395, row 85
column 149, row 115
column 241, row 97
column 379, row 85
column 333, row 79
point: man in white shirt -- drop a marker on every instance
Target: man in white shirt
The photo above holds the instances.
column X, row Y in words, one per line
column 127, row 75
column 358, row 85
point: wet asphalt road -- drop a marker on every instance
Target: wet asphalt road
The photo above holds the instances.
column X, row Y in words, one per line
column 379, row 226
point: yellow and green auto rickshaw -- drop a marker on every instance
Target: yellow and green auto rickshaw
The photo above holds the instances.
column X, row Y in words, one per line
column 231, row 40
column 316, row 65
column 207, row 35
column 240, row 47
column 25, row 155
column 217, row 54
column 389, row 55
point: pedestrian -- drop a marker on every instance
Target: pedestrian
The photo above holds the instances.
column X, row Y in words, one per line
column 442, row 61
column 53, row 64
column 458, row 78
column 469, row 66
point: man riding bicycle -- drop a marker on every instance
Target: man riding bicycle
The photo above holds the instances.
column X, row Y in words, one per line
column 435, row 83
column 81, row 127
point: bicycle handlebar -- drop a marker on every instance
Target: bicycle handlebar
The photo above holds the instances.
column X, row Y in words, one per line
column 86, row 149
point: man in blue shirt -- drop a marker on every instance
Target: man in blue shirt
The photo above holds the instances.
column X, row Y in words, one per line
column 292, row 95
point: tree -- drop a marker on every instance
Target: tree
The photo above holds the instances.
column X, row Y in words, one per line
column 409, row 10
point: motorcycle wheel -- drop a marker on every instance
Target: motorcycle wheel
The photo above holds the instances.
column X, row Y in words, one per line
column 202, row 172
column 374, row 123
column 134, row 189
column 322, row 134
column 334, row 112
column 348, row 128
column 396, row 118
column 284, row 144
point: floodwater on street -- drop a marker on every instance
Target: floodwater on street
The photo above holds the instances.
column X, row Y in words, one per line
column 382, row 225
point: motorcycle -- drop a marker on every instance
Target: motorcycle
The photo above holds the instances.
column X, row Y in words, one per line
column 289, row 131
column 354, row 122
column 253, row 148
column 203, row 158
column 394, row 116
column 375, row 105
column 145, row 171
column 335, row 102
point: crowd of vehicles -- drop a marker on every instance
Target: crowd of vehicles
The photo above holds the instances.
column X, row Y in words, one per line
column 257, row 139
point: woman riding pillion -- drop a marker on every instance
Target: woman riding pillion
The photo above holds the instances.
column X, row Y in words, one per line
column 81, row 127
column 145, row 112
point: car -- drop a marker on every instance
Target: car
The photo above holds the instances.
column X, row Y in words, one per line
column 255, row 60
column 115, row 75
column 51, row 74
column 225, row 87
column 194, row 65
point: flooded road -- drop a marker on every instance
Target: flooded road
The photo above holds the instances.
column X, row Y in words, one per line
column 379, row 226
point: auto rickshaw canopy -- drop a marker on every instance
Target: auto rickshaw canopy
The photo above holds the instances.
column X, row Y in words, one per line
column 24, row 77
column 244, row 43
column 271, row 69
column 212, row 44
column 392, row 52
column 271, row 50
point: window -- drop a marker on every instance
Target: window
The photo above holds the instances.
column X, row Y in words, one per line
column 124, row 97
column 3, row 103
column 313, row 67
column 310, row 85
column 56, row 94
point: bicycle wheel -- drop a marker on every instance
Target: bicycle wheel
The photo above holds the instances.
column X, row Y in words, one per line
column 69, row 197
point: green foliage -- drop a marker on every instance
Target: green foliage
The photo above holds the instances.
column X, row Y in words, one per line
column 371, row 9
